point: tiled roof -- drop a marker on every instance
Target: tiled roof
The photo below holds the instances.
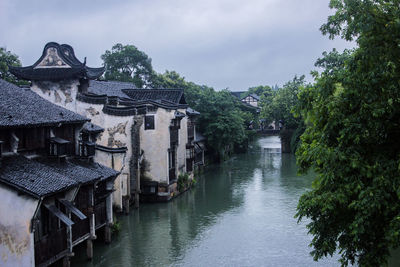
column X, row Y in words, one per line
column 43, row 177
column 101, row 170
column 22, row 107
column 171, row 95
column 110, row 88
column 33, row 178
column 92, row 128
column 79, row 174
column 69, row 67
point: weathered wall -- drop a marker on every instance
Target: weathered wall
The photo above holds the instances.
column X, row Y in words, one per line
column 16, row 240
column 181, row 151
column 62, row 93
column 91, row 111
column 155, row 144
column 118, row 134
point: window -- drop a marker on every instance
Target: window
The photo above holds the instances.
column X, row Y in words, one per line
column 149, row 122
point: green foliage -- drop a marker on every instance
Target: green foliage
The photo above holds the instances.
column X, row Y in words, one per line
column 278, row 106
column 258, row 90
column 116, row 227
column 352, row 115
column 9, row 59
column 128, row 64
column 222, row 118
column 183, row 182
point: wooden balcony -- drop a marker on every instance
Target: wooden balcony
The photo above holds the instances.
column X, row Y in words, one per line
column 100, row 214
column 80, row 229
column 51, row 247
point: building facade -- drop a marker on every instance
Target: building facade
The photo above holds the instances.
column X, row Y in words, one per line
column 146, row 136
column 54, row 194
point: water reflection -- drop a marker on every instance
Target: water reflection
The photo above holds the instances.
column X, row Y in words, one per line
column 239, row 214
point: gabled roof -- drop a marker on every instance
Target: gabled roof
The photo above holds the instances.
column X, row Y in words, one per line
column 174, row 96
column 110, row 88
column 254, row 96
column 23, row 108
column 58, row 62
column 43, row 177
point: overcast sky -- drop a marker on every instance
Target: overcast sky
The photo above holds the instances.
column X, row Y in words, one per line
column 231, row 44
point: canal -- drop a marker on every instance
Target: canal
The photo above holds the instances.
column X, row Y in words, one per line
column 240, row 213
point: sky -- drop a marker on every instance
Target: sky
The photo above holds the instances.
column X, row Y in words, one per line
column 232, row 44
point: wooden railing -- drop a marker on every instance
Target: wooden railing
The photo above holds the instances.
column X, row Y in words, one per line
column 80, row 228
column 100, row 213
column 50, row 246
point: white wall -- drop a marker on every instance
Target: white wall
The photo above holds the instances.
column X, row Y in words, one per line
column 155, row 144
column 16, row 240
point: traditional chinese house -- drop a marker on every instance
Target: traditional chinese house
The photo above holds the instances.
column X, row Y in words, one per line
column 53, row 195
column 148, row 132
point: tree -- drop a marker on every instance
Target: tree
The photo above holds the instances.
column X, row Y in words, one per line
column 169, row 79
column 128, row 64
column 352, row 113
column 257, row 90
column 223, row 121
column 278, row 106
column 9, row 59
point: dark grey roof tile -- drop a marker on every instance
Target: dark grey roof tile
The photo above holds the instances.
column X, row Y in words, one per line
column 23, row 108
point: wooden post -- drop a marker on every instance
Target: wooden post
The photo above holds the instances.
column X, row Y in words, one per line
column 89, row 249
column 107, row 234
column 66, row 262
column 137, row 192
column 109, row 212
column 92, row 218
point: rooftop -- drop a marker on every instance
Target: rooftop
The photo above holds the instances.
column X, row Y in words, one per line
column 110, row 88
column 41, row 178
column 57, row 62
column 23, row 108
column 174, row 96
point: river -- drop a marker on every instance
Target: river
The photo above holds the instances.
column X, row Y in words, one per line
column 240, row 213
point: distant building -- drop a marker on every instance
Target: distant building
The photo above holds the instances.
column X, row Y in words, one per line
column 251, row 99
column 53, row 195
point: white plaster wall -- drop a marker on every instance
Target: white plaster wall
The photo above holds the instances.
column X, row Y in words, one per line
column 155, row 144
column 250, row 100
column 16, row 240
column 59, row 93
column 181, row 151
column 118, row 128
column 94, row 112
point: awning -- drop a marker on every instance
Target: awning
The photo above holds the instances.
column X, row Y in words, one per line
column 56, row 212
column 73, row 209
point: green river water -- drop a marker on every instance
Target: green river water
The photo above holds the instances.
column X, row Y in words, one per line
column 240, row 213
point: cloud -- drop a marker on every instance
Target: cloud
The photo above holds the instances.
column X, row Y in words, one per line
column 221, row 43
